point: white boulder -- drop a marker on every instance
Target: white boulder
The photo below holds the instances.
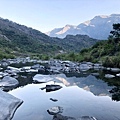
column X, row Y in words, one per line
column 109, row 76
column 42, row 78
column 8, row 105
column 8, row 82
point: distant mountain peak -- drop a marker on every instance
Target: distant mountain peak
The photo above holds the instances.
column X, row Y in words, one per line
column 99, row 27
column 66, row 28
column 68, row 25
column 87, row 22
column 104, row 16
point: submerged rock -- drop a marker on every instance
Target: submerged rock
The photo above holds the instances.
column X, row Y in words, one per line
column 8, row 105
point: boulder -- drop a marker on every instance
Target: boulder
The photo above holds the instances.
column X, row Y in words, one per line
column 41, row 70
column 12, row 69
column 118, row 75
column 108, row 68
column 2, row 74
column 55, row 69
column 8, row 82
column 97, row 66
column 42, row 78
column 36, row 66
column 4, row 64
column 8, row 105
column 85, row 67
column 115, row 69
column 31, row 71
column 109, row 76
column 55, row 110
column 24, row 69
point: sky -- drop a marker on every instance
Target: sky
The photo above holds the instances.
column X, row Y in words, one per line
column 45, row 15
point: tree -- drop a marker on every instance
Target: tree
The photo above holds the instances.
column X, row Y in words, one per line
column 115, row 33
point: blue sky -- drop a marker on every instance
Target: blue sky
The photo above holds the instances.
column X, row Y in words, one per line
column 46, row 15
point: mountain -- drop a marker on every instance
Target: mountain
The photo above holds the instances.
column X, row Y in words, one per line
column 23, row 39
column 99, row 27
column 16, row 39
column 75, row 43
column 106, row 52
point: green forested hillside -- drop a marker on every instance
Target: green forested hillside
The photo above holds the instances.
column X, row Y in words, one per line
column 18, row 40
column 107, row 52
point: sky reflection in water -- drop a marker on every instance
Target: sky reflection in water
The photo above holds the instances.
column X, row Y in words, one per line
column 80, row 97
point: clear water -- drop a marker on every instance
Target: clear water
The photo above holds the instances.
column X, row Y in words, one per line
column 79, row 96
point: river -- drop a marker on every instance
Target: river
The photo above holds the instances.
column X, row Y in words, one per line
column 81, row 95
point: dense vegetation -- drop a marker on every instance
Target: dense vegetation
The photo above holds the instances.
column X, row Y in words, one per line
column 107, row 51
column 16, row 40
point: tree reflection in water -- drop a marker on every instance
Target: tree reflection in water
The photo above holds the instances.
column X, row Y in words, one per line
column 115, row 93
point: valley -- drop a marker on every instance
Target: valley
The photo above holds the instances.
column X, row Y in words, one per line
column 50, row 78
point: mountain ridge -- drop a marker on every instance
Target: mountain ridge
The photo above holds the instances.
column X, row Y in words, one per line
column 98, row 27
column 16, row 39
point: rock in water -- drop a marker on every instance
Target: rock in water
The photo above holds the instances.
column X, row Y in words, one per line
column 8, row 105
column 54, row 100
column 109, row 76
column 8, row 82
column 55, row 110
column 42, row 78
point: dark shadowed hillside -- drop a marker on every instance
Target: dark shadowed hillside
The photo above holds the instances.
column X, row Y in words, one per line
column 16, row 39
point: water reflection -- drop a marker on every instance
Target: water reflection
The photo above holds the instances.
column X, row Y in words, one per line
column 61, row 117
column 115, row 93
column 92, row 80
column 83, row 93
column 89, row 83
column 98, row 85
column 52, row 87
column 75, row 102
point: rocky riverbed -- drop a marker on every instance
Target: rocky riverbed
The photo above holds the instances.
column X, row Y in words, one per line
column 12, row 70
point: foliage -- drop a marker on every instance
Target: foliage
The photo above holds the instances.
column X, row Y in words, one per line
column 116, row 32
column 106, row 51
